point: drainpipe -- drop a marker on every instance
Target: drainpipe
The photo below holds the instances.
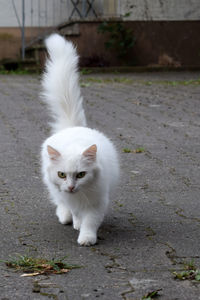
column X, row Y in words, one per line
column 23, row 29
column 83, row 14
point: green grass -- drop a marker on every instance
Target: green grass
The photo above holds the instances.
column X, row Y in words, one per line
column 38, row 266
column 137, row 150
column 124, row 80
column 85, row 84
column 15, row 72
column 85, row 71
column 190, row 272
column 130, row 81
column 151, row 295
column 188, row 275
column 174, row 82
column 126, row 150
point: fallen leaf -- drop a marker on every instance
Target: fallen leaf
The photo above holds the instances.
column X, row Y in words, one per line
column 64, row 270
column 30, row 274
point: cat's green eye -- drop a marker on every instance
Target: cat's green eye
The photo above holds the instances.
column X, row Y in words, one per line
column 62, row 175
column 80, row 175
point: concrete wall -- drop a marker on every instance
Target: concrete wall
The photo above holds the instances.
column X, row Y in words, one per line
column 37, row 12
column 161, row 10
column 52, row 12
column 170, row 43
column 10, row 41
column 46, row 13
column 160, row 27
column 163, row 43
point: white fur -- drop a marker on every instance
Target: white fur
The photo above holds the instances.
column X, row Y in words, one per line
column 60, row 84
column 87, row 204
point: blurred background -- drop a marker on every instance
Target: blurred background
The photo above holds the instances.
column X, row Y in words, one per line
column 151, row 33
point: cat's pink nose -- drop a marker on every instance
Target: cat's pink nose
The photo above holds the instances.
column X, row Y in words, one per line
column 71, row 188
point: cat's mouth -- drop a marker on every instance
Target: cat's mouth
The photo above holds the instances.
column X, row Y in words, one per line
column 71, row 190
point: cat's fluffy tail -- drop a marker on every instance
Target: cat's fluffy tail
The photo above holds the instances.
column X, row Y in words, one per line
column 60, row 84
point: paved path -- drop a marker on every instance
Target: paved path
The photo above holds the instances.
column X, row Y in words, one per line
column 153, row 227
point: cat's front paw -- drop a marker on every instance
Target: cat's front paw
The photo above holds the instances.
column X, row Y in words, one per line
column 76, row 223
column 64, row 216
column 87, row 239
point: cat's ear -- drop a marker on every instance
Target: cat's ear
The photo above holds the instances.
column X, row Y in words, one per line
column 90, row 153
column 53, row 153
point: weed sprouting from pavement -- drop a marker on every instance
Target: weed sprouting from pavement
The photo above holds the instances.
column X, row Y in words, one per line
column 151, row 295
column 190, row 272
column 126, row 150
column 137, row 150
column 38, row 266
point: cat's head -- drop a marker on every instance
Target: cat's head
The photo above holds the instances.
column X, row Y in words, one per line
column 72, row 170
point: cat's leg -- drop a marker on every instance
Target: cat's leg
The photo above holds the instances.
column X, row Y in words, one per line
column 89, row 226
column 63, row 213
column 76, row 222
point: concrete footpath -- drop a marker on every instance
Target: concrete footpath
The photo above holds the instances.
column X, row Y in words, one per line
column 153, row 227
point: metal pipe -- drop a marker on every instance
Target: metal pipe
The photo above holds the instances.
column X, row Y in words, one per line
column 23, row 29
column 54, row 8
column 83, row 9
column 39, row 13
column 46, row 13
column 31, row 13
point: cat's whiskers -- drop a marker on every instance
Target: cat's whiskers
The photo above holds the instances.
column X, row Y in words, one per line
column 92, row 189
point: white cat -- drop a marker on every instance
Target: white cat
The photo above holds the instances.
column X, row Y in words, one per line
column 79, row 164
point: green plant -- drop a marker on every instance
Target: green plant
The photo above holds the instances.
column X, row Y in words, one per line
column 126, row 150
column 120, row 39
column 85, row 71
column 190, row 272
column 38, row 266
column 137, row 150
column 18, row 71
column 188, row 275
column 151, row 295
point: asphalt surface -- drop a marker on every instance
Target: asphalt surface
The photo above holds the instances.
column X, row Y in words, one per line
column 153, row 226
